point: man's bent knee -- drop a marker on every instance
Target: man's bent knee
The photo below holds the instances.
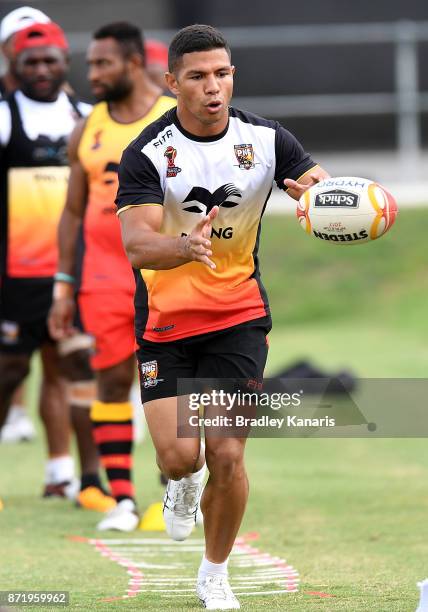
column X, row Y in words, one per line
column 176, row 465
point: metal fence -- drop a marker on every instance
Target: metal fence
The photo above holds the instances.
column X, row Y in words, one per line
column 406, row 102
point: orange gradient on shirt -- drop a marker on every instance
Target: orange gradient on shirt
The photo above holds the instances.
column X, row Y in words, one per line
column 194, row 299
column 36, row 199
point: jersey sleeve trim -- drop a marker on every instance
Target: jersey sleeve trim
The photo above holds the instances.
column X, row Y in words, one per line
column 304, row 174
column 139, row 180
column 121, row 210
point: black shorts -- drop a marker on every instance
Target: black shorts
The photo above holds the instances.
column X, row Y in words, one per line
column 238, row 352
column 24, row 308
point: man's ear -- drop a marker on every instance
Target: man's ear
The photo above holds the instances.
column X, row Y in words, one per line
column 172, row 83
column 137, row 60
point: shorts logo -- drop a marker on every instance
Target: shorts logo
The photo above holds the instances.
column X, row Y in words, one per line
column 9, row 332
column 244, row 153
column 149, row 374
column 172, row 170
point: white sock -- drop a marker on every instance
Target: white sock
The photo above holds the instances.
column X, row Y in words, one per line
column 207, row 567
column 60, row 469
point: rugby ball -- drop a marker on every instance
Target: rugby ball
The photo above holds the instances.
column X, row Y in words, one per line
column 346, row 210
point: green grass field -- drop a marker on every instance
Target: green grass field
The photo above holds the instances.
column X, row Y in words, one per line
column 362, row 305
column 349, row 514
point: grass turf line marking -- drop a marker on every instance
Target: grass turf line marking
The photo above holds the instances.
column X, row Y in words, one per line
column 268, row 570
column 318, row 594
column 277, row 562
column 137, row 576
column 151, row 541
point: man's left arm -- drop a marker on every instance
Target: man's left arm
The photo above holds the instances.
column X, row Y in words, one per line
column 295, row 170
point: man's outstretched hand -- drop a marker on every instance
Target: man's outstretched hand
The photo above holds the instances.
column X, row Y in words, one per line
column 197, row 245
column 296, row 189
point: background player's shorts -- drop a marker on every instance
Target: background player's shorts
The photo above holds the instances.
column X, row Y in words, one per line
column 238, row 352
column 109, row 318
column 24, row 309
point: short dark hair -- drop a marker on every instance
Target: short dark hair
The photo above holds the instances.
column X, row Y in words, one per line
column 128, row 36
column 197, row 37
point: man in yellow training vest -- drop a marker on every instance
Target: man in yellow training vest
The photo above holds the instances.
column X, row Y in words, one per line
column 129, row 101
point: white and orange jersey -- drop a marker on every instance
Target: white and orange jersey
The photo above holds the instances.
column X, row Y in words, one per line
column 188, row 175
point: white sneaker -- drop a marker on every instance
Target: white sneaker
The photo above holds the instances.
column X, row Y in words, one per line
column 423, row 602
column 18, row 426
column 181, row 503
column 122, row 517
column 215, row 593
column 199, row 517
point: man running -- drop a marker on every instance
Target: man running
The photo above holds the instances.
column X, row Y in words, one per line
column 192, row 190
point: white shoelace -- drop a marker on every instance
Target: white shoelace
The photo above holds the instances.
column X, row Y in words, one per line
column 186, row 497
column 219, row 587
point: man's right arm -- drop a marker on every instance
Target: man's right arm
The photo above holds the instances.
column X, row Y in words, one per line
column 140, row 208
column 75, row 204
column 63, row 307
column 147, row 248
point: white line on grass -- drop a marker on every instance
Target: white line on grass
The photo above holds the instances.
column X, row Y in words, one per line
column 252, row 570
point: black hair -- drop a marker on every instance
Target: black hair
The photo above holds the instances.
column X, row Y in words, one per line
column 128, row 36
column 197, row 37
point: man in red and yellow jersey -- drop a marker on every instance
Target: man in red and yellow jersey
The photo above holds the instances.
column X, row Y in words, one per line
column 129, row 101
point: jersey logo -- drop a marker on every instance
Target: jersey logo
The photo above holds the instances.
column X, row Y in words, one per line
column 97, row 141
column 48, row 150
column 244, row 153
column 172, row 169
column 209, row 200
